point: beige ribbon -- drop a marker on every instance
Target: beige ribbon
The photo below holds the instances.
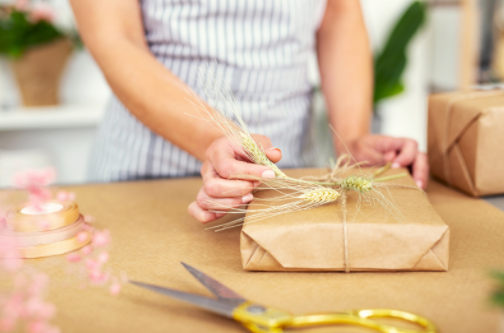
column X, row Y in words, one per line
column 16, row 220
column 52, row 249
column 24, row 239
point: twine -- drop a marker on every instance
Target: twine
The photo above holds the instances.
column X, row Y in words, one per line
column 345, row 237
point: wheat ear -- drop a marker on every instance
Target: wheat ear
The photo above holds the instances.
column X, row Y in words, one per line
column 322, row 195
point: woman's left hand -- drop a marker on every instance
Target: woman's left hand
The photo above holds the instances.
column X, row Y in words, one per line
column 402, row 152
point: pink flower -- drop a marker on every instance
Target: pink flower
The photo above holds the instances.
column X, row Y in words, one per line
column 65, row 196
column 102, row 238
column 98, row 277
column 35, row 181
column 73, row 257
column 13, row 307
column 42, row 11
column 86, row 250
column 62, row 196
column 38, row 284
column 10, row 258
column 115, row 288
column 13, row 262
column 89, row 219
column 103, row 257
column 7, row 324
column 34, row 178
column 37, row 326
column 92, row 264
column 21, row 5
column 82, row 236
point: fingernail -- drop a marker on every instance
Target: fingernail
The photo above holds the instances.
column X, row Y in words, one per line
column 268, row 174
column 396, row 165
column 274, row 148
column 419, row 183
column 247, row 198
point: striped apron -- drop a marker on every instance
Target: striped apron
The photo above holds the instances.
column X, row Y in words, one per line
column 260, row 51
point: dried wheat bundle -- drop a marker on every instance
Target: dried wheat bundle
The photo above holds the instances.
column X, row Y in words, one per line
column 291, row 194
column 289, row 199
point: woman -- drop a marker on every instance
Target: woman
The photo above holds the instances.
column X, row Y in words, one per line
column 149, row 52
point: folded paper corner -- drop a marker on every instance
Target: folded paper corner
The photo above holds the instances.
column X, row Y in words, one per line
column 437, row 257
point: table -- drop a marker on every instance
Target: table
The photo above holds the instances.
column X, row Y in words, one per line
column 152, row 233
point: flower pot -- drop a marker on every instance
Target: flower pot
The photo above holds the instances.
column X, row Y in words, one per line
column 39, row 70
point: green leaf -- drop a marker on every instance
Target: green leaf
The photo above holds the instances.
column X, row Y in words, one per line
column 390, row 63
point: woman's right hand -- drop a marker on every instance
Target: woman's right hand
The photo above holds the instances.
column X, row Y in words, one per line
column 225, row 172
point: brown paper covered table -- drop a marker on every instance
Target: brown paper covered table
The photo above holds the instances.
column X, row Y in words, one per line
column 152, row 233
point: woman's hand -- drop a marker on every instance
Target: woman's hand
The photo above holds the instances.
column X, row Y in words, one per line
column 377, row 149
column 224, row 173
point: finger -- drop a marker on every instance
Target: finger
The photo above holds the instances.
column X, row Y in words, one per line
column 217, row 187
column 364, row 152
column 407, row 154
column 272, row 153
column 223, row 204
column 200, row 214
column 228, row 167
column 421, row 170
column 389, row 156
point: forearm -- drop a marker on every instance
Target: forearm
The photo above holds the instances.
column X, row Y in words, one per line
column 345, row 64
column 157, row 97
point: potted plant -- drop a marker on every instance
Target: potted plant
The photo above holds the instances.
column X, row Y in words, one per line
column 37, row 49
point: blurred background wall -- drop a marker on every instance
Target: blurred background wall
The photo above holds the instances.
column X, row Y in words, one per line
column 62, row 135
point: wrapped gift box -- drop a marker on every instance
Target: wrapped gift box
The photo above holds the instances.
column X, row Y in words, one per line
column 372, row 238
column 466, row 140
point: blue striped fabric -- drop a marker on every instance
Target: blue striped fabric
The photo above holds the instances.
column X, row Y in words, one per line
column 259, row 49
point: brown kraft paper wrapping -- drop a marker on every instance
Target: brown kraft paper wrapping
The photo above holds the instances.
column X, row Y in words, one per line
column 466, row 140
column 376, row 240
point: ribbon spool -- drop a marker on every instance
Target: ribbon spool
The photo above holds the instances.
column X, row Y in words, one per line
column 24, row 239
column 52, row 249
column 48, row 229
column 50, row 215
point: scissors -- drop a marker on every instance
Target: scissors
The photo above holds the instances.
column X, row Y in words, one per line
column 262, row 319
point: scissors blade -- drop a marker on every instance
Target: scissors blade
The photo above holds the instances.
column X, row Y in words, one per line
column 217, row 288
column 210, row 304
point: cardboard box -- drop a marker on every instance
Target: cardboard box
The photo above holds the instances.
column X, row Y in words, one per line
column 372, row 238
column 466, row 140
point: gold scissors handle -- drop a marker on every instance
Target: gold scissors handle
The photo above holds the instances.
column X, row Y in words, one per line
column 361, row 318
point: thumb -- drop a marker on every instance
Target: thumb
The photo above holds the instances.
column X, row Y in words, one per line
column 272, row 153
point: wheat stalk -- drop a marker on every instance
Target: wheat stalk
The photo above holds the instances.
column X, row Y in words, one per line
column 355, row 183
column 257, row 155
column 321, row 195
